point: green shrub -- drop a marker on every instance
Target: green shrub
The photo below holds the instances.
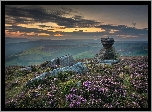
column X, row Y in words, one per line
column 66, row 86
column 34, row 83
column 64, row 75
column 34, row 69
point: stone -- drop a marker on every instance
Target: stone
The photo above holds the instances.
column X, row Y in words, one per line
column 62, row 61
column 26, row 69
column 68, row 63
column 108, row 53
column 78, row 68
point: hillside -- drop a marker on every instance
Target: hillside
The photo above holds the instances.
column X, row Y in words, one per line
column 122, row 85
column 36, row 52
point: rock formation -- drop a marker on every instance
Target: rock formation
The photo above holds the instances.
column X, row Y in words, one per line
column 62, row 61
column 108, row 53
column 66, row 63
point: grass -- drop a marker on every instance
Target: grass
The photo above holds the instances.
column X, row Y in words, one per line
column 35, row 50
column 82, row 55
column 34, row 55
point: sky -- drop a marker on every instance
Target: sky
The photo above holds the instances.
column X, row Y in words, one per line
column 59, row 22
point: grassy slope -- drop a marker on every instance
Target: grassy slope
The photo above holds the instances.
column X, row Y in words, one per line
column 37, row 55
column 32, row 56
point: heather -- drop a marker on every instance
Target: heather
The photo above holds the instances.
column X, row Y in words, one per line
column 121, row 85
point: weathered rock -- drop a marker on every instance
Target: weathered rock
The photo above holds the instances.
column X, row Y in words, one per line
column 45, row 74
column 78, row 68
column 108, row 53
column 63, row 61
column 26, row 69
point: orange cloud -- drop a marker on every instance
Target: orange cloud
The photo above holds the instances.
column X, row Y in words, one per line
column 58, row 34
column 113, row 31
column 43, row 34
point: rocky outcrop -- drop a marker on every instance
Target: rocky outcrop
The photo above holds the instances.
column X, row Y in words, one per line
column 78, row 68
column 62, row 61
column 107, row 56
column 108, row 53
column 67, row 63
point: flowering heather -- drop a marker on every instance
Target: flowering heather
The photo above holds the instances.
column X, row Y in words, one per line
column 121, row 85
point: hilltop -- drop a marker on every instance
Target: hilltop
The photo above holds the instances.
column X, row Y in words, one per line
column 121, row 85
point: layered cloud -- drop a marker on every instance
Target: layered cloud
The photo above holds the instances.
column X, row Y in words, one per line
column 61, row 21
column 37, row 14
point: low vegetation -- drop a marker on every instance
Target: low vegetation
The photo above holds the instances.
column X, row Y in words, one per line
column 122, row 85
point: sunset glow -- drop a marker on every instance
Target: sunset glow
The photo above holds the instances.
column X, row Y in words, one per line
column 77, row 21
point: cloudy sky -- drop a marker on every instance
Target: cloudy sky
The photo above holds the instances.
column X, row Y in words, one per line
column 121, row 22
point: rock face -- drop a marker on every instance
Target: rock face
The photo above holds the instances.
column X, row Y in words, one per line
column 108, row 53
column 63, row 61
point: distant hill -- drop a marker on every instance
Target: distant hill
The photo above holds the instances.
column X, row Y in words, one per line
column 16, row 40
column 36, row 52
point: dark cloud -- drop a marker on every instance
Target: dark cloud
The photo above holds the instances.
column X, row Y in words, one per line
column 80, row 31
column 77, row 17
column 37, row 14
column 134, row 31
column 108, row 27
column 123, row 29
column 58, row 31
column 33, row 14
column 50, row 29
column 44, row 26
